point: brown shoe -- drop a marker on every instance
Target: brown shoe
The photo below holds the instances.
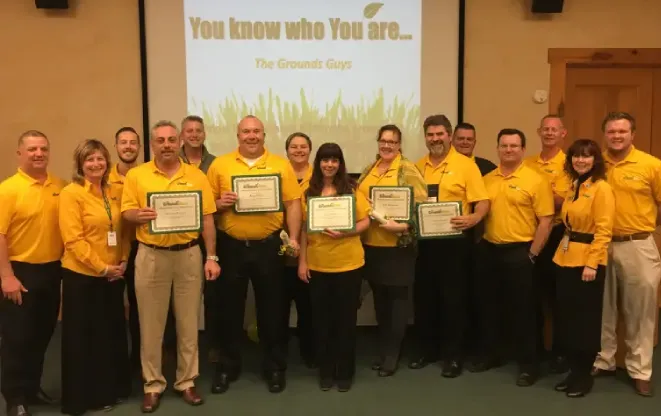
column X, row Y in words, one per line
column 643, row 387
column 150, row 402
column 598, row 372
column 191, row 397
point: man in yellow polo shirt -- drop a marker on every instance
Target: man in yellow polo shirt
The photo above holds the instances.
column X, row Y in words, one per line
column 550, row 163
column 251, row 244
column 634, row 268
column 464, row 139
column 30, row 252
column 169, row 264
column 441, row 288
column 127, row 144
column 516, row 230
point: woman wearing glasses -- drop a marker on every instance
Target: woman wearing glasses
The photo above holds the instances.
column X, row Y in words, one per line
column 390, row 250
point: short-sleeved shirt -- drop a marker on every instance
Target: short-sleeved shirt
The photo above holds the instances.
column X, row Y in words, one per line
column 636, row 183
column 149, row 178
column 458, row 179
column 251, row 226
column 29, row 218
column 517, row 201
column 325, row 254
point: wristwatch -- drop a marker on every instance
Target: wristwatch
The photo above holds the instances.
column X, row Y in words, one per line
column 214, row 258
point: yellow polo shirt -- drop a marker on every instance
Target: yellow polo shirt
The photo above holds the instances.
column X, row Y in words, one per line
column 375, row 235
column 591, row 213
column 517, row 201
column 85, row 223
column 329, row 255
column 148, row 178
column 636, row 183
column 458, row 179
column 28, row 218
column 554, row 171
column 251, row 226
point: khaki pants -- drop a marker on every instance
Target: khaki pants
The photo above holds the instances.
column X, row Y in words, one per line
column 632, row 280
column 159, row 274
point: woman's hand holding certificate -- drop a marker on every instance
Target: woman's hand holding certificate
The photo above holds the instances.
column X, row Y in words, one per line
column 336, row 213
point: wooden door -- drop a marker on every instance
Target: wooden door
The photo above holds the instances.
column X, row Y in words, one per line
column 593, row 89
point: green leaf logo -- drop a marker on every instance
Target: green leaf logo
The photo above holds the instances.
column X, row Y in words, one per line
column 371, row 10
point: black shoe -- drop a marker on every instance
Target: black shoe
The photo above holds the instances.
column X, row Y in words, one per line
column 451, row 369
column 580, row 389
column 42, row 399
column 564, row 384
column 326, row 384
column 221, row 381
column 386, row 373
column 376, row 365
column 480, row 366
column 526, row 379
column 344, row 386
column 558, row 365
column 420, row 362
column 276, row 381
column 19, row 410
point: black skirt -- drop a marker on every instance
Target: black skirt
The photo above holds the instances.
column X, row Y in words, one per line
column 579, row 309
column 391, row 266
column 95, row 360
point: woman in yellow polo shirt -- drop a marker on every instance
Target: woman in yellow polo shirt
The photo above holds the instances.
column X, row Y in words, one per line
column 95, row 361
column 582, row 255
column 331, row 262
column 298, row 146
column 390, row 250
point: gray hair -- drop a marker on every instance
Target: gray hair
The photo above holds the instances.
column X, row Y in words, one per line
column 163, row 123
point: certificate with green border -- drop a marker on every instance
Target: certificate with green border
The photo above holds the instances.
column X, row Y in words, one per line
column 434, row 219
column 393, row 202
column 257, row 194
column 337, row 213
column 176, row 211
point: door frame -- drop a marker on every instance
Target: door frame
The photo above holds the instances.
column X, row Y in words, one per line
column 561, row 58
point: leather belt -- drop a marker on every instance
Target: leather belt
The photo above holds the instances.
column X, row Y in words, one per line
column 630, row 237
column 176, row 247
column 583, row 238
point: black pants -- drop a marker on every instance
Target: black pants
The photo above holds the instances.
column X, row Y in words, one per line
column 578, row 322
column 299, row 292
column 506, row 293
column 259, row 262
column 95, row 360
column 134, row 321
column 335, row 298
column 440, row 297
column 27, row 330
column 546, row 276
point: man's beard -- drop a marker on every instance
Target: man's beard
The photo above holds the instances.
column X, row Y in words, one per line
column 437, row 149
column 128, row 161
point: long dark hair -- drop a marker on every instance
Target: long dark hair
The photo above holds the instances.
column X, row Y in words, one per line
column 342, row 181
column 586, row 147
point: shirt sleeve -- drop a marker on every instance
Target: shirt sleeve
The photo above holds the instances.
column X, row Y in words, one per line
column 208, row 200
column 130, row 193
column 562, row 185
column 213, row 175
column 71, row 211
column 291, row 190
column 656, row 183
column 543, row 199
column 362, row 206
column 603, row 211
column 475, row 189
column 8, row 204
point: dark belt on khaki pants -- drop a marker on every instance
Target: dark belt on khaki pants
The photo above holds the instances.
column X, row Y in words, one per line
column 176, row 247
column 630, row 237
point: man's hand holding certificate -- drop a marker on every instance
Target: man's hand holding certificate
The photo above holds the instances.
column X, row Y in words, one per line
column 175, row 212
column 257, row 194
column 437, row 219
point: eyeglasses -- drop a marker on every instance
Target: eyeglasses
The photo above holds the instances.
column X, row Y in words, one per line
column 390, row 143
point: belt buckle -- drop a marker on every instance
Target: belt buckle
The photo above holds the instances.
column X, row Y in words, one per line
column 247, row 243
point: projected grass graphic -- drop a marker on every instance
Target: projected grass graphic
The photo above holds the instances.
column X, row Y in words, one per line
column 351, row 126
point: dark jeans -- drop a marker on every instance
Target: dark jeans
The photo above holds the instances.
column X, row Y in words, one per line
column 335, row 298
column 27, row 330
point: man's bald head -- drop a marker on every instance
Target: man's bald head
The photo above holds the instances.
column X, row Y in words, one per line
column 250, row 134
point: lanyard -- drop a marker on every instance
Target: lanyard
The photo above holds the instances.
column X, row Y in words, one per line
column 106, row 204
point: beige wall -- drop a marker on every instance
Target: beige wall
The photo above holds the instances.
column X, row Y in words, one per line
column 76, row 74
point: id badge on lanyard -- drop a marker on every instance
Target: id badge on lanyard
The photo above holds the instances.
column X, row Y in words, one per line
column 111, row 235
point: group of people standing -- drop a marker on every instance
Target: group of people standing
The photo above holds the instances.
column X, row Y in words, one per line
column 567, row 232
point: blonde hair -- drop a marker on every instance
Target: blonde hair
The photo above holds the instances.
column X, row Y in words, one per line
column 82, row 152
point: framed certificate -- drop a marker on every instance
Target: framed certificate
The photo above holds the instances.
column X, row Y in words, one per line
column 177, row 211
column 337, row 213
column 257, row 194
column 393, row 202
column 434, row 219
